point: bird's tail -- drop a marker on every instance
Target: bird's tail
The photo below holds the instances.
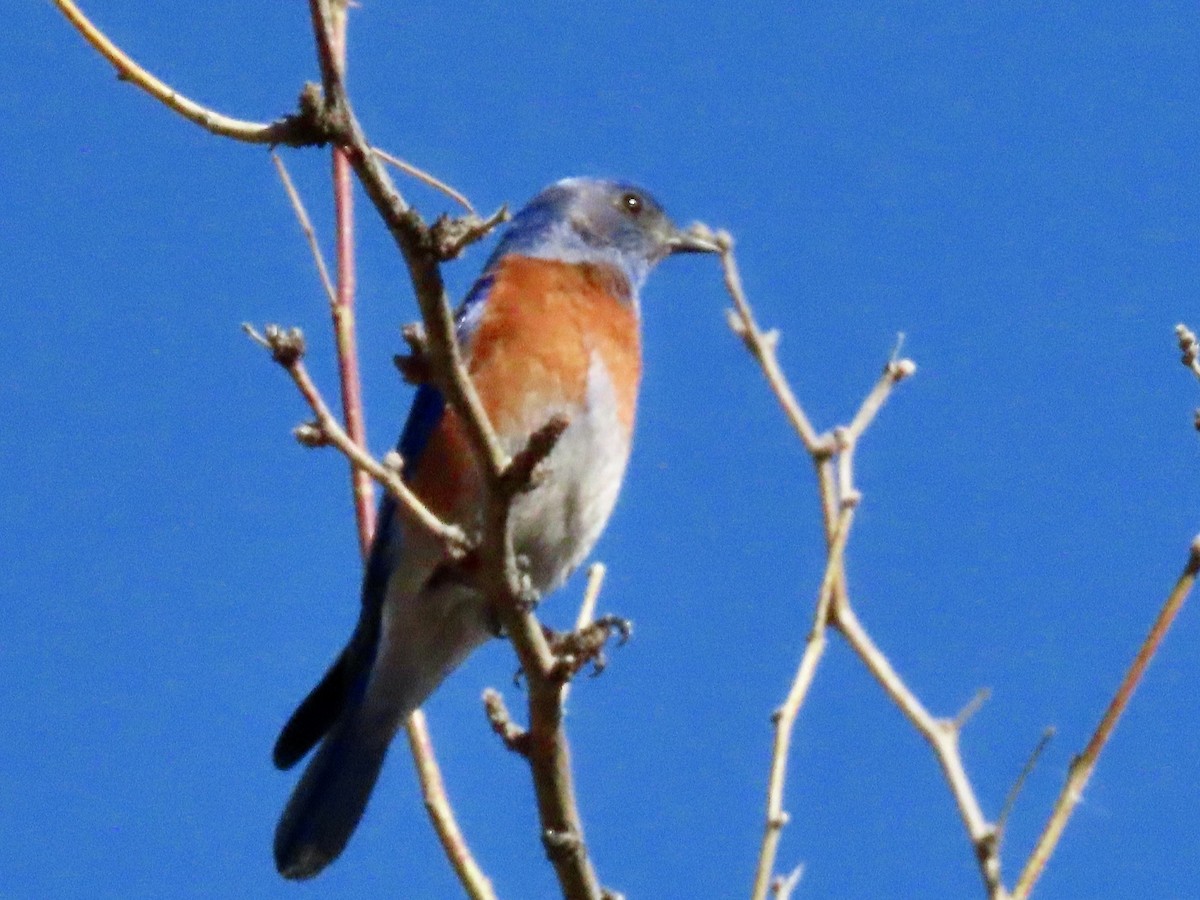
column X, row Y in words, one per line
column 377, row 690
column 330, row 799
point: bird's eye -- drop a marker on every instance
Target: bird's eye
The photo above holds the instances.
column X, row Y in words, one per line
column 632, row 204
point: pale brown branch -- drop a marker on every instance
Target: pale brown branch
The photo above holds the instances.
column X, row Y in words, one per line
column 295, row 130
column 785, row 717
column 762, row 345
column 306, row 226
column 433, row 790
column 287, row 349
column 942, row 736
column 833, row 459
column 425, row 178
column 1085, row 763
column 591, row 594
column 894, row 372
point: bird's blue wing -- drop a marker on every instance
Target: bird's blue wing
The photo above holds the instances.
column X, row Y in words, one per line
column 346, row 680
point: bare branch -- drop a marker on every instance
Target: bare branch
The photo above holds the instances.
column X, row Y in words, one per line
column 504, row 585
column 310, row 233
column 785, row 717
column 942, row 736
column 783, row 886
column 433, row 789
column 894, row 372
column 762, row 345
column 1014, row 792
column 297, row 130
column 287, row 349
column 1085, row 763
column 587, row 609
column 425, row 178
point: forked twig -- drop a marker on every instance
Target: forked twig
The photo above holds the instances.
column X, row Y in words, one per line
column 834, row 461
column 287, row 349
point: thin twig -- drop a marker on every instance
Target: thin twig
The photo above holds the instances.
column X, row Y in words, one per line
column 328, row 430
column 785, row 885
column 433, row 790
column 785, row 717
column 893, row 373
column 1010, row 802
column 942, row 736
column 974, row 705
column 591, row 595
column 762, row 346
column 294, row 130
column 310, row 233
column 1085, row 763
column 425, row 178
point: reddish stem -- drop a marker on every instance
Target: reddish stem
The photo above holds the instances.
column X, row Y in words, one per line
column 344, row 328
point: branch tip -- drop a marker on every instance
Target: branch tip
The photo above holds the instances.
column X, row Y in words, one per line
column 1194, row 554
column 515, row 737
column 973, row 706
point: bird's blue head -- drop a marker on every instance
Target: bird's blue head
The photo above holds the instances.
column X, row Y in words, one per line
column 588, row 220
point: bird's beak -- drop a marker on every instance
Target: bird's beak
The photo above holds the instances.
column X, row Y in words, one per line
column 695, row 239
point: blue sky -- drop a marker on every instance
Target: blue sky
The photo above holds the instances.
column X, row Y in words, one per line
column 1012, row 186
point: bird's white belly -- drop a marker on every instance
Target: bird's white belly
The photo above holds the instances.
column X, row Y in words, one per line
column 557, row 523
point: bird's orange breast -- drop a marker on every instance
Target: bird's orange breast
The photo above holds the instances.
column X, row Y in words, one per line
column 543, row 324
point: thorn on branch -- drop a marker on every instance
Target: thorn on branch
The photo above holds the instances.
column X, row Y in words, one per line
column 515, row 737
column 450, row 235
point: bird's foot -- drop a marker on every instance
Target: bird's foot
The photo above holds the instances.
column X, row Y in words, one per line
column 574, row 650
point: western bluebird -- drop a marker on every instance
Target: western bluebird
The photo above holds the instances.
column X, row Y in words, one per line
column 550, row 329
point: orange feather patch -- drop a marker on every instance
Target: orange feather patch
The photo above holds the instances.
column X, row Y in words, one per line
column 543, row 322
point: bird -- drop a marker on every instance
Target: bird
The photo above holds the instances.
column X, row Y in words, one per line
column 551, row 329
